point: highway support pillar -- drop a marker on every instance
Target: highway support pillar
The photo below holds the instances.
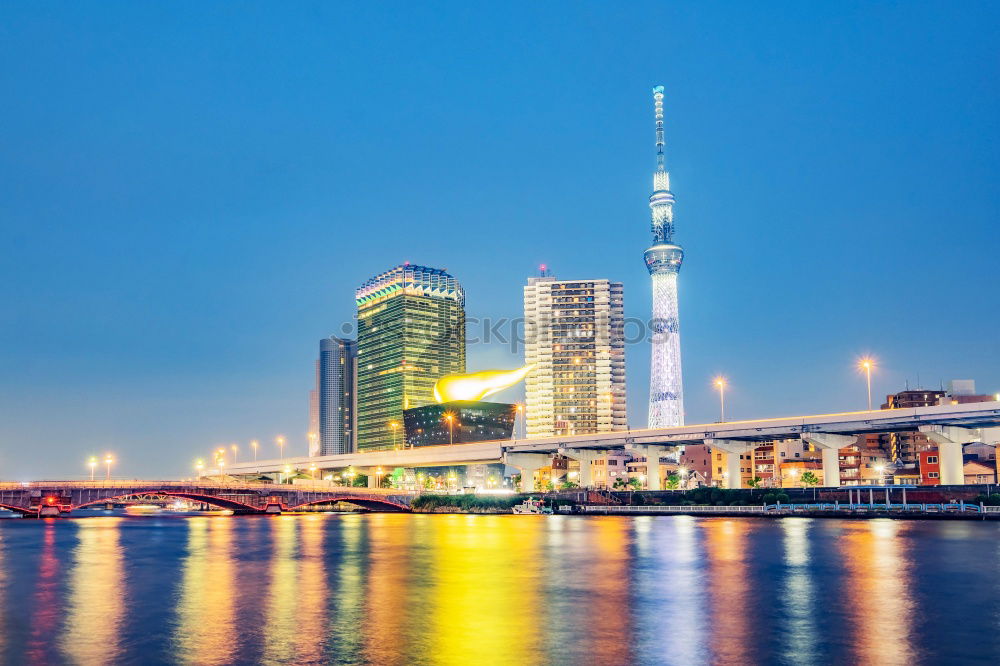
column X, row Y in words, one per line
column 733, row 448
column 527, row 464
column 829, row 445
column 949, row 440
column 652, row 453
column 585, row 457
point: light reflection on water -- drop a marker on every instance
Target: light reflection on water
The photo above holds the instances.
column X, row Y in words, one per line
column 206, row 622
column 457, row 589
column 875, row 556
column 96, row 600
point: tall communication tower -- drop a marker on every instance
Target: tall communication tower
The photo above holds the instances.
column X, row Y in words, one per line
column 663, row 259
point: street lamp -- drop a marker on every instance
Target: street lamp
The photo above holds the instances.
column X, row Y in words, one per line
column 199, row 466
column 378, row 477
column 682, row 472
column 865, row 365
column 350, row 474
column 312, row 470
column 235, row 449
column 394, row 426
column 288, row 472
column 880, row 469
column 253, row 445
column 793, row 473
column 720, row 383
column 450, row 418
column 92, row 463
column 280, row 440
column 221, row 453
column 108, row 460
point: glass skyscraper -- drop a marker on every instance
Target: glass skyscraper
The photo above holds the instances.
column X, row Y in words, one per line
column 411, row 332
column 337, row 367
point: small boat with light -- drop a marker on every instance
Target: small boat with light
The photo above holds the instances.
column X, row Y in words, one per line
column 532, row 506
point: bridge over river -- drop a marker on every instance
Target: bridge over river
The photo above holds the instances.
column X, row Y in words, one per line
column 53, row 498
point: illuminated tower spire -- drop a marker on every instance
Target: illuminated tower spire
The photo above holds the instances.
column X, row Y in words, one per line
column 663, row 259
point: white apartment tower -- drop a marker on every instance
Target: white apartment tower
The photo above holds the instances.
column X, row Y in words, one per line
column 575, row 339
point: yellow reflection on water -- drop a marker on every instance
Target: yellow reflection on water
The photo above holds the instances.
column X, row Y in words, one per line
column 729, row 590
column 96, row 594
column 311, row 613
column 280, row 621
column 605, row 616
column 486, row 587
column 387, row 581
column 348, row 586
column 206, row 628
column 878, row 571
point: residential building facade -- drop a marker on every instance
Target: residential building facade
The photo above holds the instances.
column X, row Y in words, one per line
column 575, row 339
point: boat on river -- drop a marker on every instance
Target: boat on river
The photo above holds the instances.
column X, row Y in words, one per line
column 532, row 506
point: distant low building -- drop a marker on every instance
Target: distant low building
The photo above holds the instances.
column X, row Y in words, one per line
column 974, row 470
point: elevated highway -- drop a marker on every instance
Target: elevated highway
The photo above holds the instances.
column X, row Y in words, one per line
column 949, row 426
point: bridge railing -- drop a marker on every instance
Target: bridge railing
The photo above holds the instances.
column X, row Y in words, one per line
column 789, row 509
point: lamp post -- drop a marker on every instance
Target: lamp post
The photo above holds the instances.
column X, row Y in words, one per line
column 682, row 472
column 288, row 471
column 280, row 441
column 450, row 418
column 378, row 477
column 199, row 466
column 108, row 460
column 394, row 426
column 92, row 463
column 866, row 364
column 720, row 383
column 793, row 473
column 312, row 471
column 253, row 445
column 235, row 450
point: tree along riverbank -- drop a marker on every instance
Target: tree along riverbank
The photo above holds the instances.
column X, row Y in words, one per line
column 719, row 499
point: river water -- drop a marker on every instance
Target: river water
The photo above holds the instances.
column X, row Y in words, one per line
column 471, row 589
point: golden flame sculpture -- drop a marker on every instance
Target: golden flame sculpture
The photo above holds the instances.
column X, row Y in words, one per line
column 477, row 385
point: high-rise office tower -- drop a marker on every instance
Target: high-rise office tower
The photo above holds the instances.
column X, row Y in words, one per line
column 411, row 332
column 663, row 259
column 337, row 403
column 574, row 337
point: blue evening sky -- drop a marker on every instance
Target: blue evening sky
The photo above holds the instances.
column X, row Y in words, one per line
column 191, row 191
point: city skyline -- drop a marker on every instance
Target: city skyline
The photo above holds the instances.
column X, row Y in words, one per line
column 160, row 317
